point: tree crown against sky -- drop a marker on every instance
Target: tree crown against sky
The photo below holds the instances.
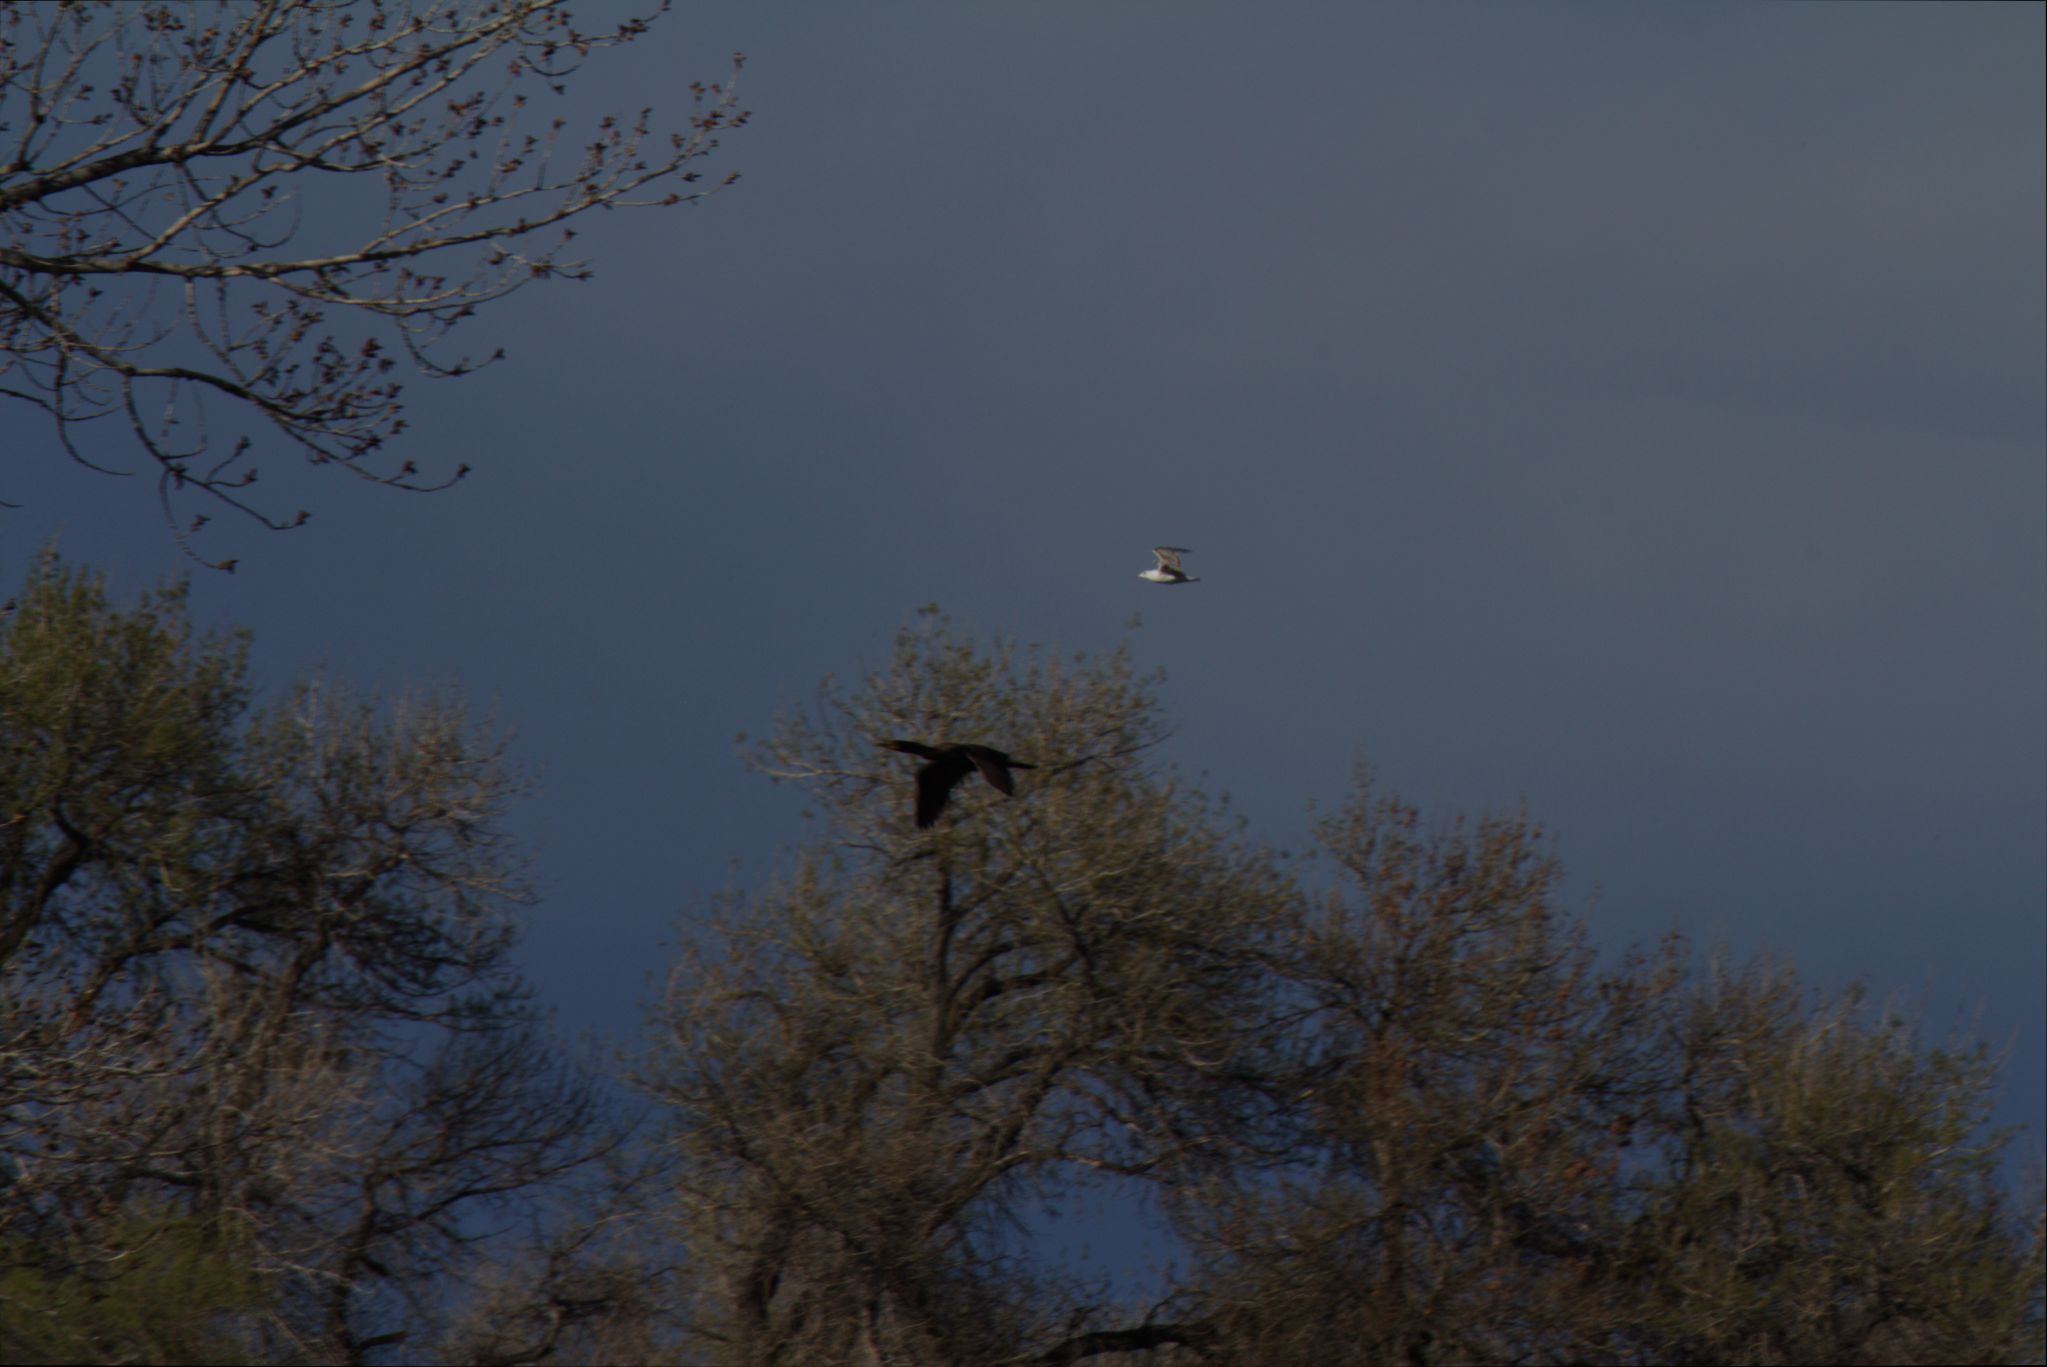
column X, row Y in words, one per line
column 228, row 229
column 1405, row 1116
column 260, row 1038
column 270, row 1087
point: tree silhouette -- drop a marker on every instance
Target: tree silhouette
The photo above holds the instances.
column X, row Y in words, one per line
column 1396, row 1114
column 270, row 1089
column 258, row 1027
column 224, row 226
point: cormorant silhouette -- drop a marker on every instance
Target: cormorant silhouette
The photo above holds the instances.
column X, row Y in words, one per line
column 948, row 765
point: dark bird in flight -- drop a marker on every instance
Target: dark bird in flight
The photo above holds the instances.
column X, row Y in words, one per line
column 948, row 765
column 1168, row 570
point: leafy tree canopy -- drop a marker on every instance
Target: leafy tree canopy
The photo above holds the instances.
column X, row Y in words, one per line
column 1396, row 1111
column 259, row 1029
column 270, row 1088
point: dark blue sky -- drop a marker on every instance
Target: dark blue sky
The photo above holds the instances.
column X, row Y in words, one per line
column 1633, row 409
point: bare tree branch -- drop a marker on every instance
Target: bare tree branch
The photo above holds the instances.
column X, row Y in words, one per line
column 1400, row 1118
column 160, row 159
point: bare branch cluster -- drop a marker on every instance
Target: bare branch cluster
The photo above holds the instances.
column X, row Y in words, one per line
column 269, row 1089
column 1405, row 1117
column 889, row 1068
column 187, row 253
column 255, row 1004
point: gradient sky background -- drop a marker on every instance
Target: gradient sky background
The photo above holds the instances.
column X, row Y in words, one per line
column 1633, row 409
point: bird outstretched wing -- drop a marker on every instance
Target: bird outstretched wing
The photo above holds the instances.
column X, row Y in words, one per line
column 994, row 766
column 935, row 782
column 947, row 765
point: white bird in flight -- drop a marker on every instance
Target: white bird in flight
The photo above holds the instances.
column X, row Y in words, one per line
column 1168, row 570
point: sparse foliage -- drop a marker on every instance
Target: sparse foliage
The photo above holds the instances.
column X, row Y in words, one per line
column 224, row 225
column 1506, row 1155
column 146, row 1289
column 253, row 987
column 269, row 1089
column 1406, row 1118
column 918, row 1040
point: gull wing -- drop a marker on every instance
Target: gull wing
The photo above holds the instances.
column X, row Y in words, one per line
column 1169, row 556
